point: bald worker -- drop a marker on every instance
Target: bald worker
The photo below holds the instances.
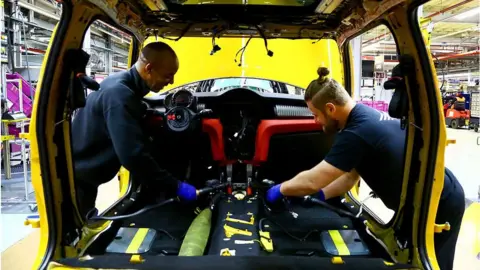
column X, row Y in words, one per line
column 107, row 133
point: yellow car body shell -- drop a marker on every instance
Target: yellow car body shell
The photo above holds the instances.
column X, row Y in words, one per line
column 256, row 63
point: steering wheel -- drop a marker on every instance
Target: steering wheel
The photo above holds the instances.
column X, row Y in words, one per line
column 179, row 118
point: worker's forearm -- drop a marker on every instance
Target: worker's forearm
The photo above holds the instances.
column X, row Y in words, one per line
column 340, row 186
column 300, row 185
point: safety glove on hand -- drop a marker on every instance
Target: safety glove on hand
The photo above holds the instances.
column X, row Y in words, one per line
column 319, row 195
column 186, row 192
column 274, row 194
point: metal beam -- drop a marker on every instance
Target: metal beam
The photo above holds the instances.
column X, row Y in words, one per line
column 448, row 8
column 28, row 23
column 476, row 28
column 45, row 13
column 38, row 10
column 459, row 55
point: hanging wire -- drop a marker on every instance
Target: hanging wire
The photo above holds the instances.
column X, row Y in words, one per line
column 243, row 51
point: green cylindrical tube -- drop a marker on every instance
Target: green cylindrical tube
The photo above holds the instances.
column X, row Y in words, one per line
column 196, row 239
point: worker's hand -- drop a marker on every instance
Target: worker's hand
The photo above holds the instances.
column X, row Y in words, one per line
column 186, row 192
column 274, row 194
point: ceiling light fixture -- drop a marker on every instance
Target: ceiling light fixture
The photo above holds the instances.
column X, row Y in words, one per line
column 468, row 13
column 475, row 28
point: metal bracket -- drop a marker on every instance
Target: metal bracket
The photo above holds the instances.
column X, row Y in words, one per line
column 401, row 245
column 33, row 220
column 229, row 174
column 439, row 228
column 249, row 174
column 450, row 141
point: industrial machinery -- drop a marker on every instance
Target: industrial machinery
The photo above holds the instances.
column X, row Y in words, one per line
column 474, row 109
column 456, row 113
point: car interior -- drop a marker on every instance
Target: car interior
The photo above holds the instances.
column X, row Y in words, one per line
column 232, row 144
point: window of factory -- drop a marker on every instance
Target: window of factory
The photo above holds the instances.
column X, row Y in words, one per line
column 374, row 56
column 108, row 48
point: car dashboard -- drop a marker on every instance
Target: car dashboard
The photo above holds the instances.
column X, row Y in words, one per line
column 232, row 118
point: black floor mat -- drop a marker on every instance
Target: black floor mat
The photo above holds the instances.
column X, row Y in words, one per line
column 231, row 263
column 301, row 235
column 288, row 233
column 171, row 222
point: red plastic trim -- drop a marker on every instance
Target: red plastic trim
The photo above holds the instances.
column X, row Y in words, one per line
column 214, row 129
column 268, row 128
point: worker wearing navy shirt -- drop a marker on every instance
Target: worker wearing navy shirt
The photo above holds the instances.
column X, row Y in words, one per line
column 107, row 132
column 368, row 144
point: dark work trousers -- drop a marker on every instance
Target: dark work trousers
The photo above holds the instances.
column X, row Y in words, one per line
column 86, row 196
column 450, row 209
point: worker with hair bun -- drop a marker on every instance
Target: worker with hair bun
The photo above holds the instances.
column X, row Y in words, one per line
column 368, row 144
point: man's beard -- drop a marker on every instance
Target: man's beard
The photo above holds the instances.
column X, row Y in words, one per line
column 331, row 126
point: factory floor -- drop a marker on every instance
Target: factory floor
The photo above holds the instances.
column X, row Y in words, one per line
column 19, row 243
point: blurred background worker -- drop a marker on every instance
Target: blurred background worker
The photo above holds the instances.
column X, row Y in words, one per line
column 368, row 144
column 107, row 132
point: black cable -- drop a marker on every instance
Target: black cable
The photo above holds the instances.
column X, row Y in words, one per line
column 320, row 38
column 333, row 208
column 302, row 239
column 94, row 211
column 167, row 234
column 216, row 34
column 184, row 31
column 243, row 51
column 90, row 215
column 269, row 53
column 313, row 200
column 268, row 210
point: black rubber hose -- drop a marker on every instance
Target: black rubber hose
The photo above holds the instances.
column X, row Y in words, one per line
column 91, row 214
column 301, row 239
column 333, row 208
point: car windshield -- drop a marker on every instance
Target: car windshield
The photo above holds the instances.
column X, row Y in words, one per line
column 258, row 2
column 225, row 84
column 253, row 84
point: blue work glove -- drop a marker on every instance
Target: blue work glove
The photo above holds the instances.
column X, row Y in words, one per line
column 186, row 192
column 274, row 194
column 320, row 195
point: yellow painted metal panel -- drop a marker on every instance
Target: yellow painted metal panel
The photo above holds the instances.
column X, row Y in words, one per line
column 35, row 165
column 196, row 63
column 294, row 61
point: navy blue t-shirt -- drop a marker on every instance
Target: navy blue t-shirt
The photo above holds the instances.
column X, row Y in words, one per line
column 373, row 143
